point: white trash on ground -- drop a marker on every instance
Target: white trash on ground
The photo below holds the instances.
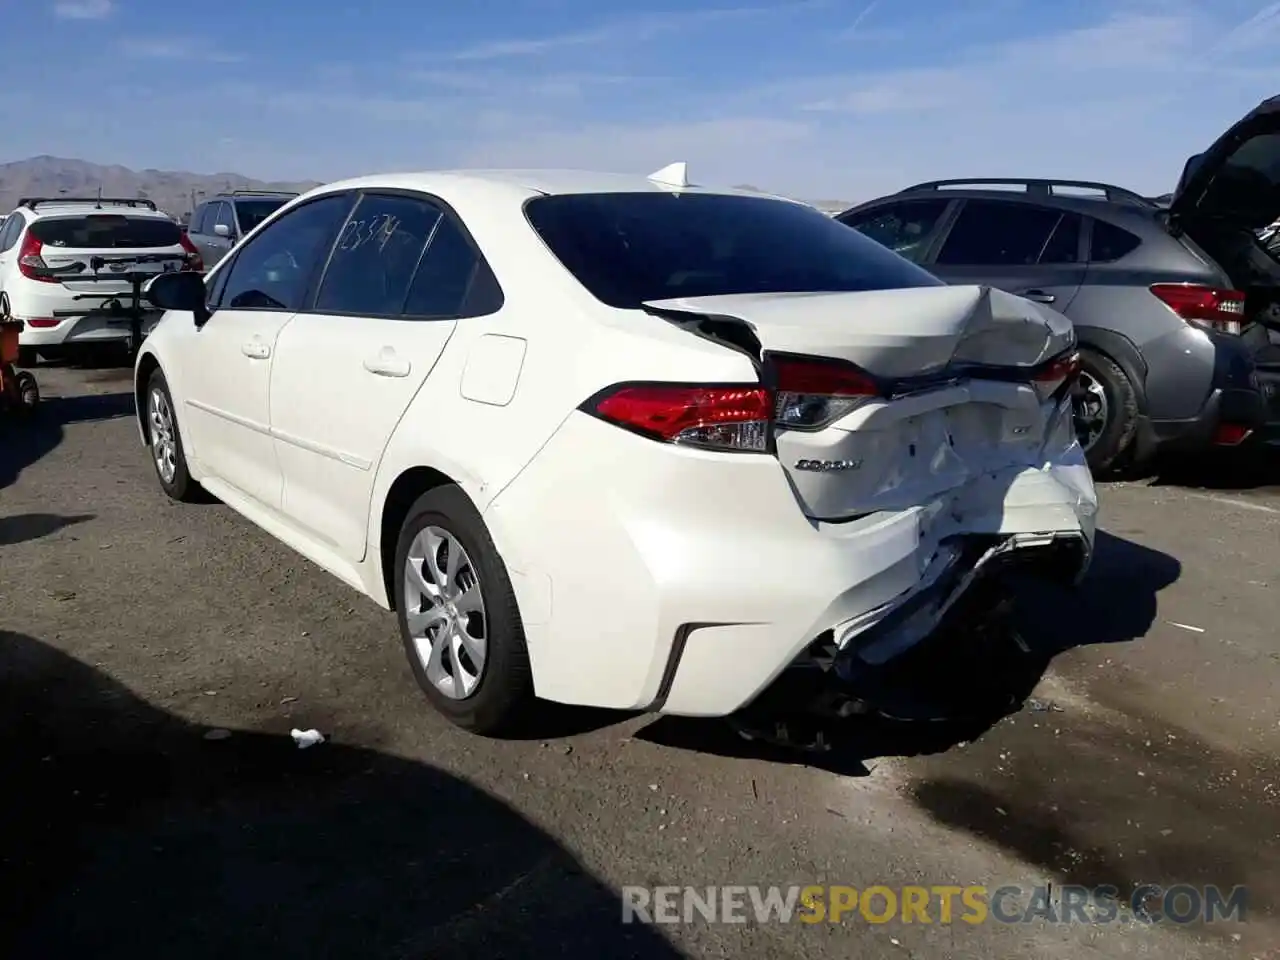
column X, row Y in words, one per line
column 307, row 738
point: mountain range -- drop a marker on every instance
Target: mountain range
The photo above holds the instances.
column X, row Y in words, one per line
column 172, row 191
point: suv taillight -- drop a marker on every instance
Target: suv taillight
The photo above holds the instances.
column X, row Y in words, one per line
column 1221, row 310
column 30, row 262
column 194, row 262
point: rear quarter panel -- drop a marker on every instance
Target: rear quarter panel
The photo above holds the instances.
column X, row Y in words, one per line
column 1175, row 360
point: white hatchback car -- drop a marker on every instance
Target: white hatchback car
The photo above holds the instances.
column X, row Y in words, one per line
column 67, row 267
column 612, row 440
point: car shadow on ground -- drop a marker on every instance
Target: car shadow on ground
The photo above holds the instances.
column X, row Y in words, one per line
column 33, row 526
column 25, row 439
column 130, row 833
column 1115, row 603
column 1256, row 468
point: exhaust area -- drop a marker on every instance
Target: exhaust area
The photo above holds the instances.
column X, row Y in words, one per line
column 947, row 652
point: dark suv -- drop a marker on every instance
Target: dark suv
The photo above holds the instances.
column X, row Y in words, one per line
column 218, row 224
column 1176, row 305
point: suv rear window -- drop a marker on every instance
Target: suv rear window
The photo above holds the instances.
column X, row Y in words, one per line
column 628, row 248
column 107, row 231
column 253, row 212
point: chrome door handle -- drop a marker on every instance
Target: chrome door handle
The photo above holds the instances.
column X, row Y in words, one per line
column 388, row 364
column 1039, row 296
column 255, row 350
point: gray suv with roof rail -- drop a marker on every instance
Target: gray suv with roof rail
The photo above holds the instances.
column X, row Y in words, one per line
column 1176, row 304
column 220, row 222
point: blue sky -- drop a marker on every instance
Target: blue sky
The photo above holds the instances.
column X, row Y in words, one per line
column 816, row 98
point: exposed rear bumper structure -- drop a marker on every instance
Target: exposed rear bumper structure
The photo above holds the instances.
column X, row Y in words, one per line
column 907, row 666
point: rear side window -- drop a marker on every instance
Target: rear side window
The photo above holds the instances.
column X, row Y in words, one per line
column 376, row 255
column 903, row 227
column 989, row 233
column 1110, row 243
column 444, row 276
column 629, row 248
column 107, row 231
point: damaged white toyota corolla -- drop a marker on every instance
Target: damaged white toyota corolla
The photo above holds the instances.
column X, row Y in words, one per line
column 618, row 441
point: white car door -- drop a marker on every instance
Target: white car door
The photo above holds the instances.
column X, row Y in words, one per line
column 226, row 370
column 401, row 273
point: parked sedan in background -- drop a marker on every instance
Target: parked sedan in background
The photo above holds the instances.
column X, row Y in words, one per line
column 566, row 424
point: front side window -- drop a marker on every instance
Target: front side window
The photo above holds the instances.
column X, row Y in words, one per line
column 376, row 254
column 272, row 271
column 630, row 248
column 903, row 227
column 225, row 219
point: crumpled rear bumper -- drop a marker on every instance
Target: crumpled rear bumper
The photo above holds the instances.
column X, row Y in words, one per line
column 678, row 581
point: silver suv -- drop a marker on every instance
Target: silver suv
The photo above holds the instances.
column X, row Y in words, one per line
column 218, row 224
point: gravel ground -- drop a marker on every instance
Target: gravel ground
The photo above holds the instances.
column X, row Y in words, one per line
column 132, row 627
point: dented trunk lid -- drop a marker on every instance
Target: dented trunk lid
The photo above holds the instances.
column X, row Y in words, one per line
column 957, row 408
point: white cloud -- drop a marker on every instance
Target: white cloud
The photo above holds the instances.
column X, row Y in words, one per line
column 174, row 48
column 631, row 29
column 83, row 9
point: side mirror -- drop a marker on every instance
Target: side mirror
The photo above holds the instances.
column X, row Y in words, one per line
column 183, row 291
column 221, row 230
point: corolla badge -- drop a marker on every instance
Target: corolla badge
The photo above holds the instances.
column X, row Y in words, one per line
column 827, row 466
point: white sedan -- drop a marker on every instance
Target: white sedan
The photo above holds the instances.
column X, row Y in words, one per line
column 613, row 440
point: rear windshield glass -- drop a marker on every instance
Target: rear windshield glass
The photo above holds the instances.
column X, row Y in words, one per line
column 253, row 212
column 627, row 248
column 107, row 231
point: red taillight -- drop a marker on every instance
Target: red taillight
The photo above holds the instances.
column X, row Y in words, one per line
column 1055, row 378
column 42, row 323
column 194, row 262
column 1231, row 434
column 1222, row 310
column 30, row 263
column 719, row 417
column 813, row 393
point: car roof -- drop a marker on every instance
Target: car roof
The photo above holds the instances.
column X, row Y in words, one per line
column 86, row 207
column 521, row 184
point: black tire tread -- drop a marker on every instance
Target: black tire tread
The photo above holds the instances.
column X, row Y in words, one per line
column 1115, row 447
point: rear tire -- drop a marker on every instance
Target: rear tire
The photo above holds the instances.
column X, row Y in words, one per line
column 1105, row 406
column 449, row 621
column 165, row 442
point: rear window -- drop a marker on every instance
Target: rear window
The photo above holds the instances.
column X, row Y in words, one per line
column 628, row 248
column 107, row 231
column 253, row 212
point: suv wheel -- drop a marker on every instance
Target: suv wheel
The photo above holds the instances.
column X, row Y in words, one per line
column 1105, row 411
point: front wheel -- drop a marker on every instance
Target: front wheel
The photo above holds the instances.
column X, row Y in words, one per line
column 165, row 440
column 458, row 616
column 1104, row 411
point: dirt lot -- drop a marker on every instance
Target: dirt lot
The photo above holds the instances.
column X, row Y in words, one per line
column 133, row 626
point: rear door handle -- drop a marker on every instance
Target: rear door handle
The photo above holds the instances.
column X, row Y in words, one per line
column 255, row 349
column 1039, row 296
column 388, row 364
